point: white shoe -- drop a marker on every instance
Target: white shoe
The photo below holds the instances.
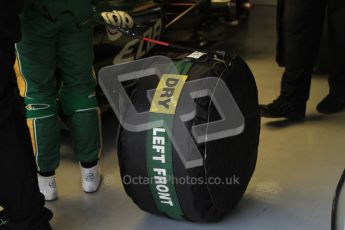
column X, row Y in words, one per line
column 90, row 178
column 47, row 187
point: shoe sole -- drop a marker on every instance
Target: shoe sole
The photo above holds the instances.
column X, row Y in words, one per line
column 292, row 118
column 51, row 200
column 332, row 112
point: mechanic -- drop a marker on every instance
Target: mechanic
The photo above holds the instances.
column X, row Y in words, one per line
column 55, row 47
column 302, row 27
column 19, row 192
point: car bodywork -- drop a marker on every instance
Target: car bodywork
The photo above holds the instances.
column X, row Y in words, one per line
column 153, row 19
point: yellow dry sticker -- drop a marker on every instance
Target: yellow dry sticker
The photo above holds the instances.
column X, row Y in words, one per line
column 167, row 93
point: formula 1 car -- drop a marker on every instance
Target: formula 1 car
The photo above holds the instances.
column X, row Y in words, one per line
column 189, row 22
column 158, row 19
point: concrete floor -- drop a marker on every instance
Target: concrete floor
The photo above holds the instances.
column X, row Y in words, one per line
column 297, row 170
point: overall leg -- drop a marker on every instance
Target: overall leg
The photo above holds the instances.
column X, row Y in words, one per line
column 302, row 26
column 280, row 49
column 78, row 98
column 304, row 22
column 335, row 100
column 36, row 55
column 336, row 22
column 36, row 77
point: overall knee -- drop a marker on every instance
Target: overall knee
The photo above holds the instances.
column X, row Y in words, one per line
column 78, row 102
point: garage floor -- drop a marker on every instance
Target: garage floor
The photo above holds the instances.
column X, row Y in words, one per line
column 292, row 188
